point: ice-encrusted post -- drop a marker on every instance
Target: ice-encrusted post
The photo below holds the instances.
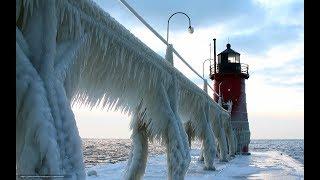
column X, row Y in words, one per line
column 205, row 86
column 219, row 132
column 226, row 118
column 229, row 131
column 176, row 139
column 189, row 131
column 139, row 152
column 169, row 54
column 36, row 149
column 208, row 142
column 39, row 28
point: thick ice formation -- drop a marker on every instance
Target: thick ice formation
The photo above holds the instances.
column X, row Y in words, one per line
column 71, row 51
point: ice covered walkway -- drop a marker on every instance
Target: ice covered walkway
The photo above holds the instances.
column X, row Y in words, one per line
column 260, row 165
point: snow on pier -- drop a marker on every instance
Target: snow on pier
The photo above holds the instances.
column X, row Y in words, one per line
column 259, row 165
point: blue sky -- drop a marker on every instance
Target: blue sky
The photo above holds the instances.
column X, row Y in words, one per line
column 269, row 35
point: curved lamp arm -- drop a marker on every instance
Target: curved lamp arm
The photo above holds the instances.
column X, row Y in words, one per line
column 190, row 28
column 203, row 66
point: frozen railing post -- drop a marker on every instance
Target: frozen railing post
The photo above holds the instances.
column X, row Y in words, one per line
column 229, row 103
column 220, row 101
column 205, row 86
column 169, row 54
column 220, row 98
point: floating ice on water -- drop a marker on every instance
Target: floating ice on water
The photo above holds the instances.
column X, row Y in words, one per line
column 92, row 173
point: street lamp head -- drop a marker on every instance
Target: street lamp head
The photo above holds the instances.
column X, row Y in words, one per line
column 190, row 29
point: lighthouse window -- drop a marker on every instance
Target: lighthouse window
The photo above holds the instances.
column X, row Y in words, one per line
column 231, row 59
column 237, row 59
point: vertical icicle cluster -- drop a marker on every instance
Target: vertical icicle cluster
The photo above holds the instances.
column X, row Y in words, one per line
column 36, row 148
column 45, row 117
column 138, row 156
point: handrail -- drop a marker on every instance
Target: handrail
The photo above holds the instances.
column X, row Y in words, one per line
column 186, row 63
column 161, row 38
column 215, row 93
column 156, row 33
column 143, row 21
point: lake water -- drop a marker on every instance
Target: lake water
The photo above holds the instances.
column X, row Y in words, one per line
column 101, row 151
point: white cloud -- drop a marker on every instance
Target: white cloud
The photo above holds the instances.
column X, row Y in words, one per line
column 278, row 56
column 283, row 10
column 275, row 4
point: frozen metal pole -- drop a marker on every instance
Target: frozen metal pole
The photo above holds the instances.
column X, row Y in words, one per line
column 169, row 54
column 214, row 53
column 205, row 86
column 210, row 61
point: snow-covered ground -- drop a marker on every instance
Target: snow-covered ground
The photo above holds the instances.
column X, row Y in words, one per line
column 259, row 165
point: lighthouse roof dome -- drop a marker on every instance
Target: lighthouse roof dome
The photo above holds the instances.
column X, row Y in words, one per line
column 229, row 50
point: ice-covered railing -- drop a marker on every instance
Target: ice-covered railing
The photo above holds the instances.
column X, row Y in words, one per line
column 165, row 42
column 71, row 51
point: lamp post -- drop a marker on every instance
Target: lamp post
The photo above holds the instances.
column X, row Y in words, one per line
column 203, row 66
column 219, row 89
column 169, row 51
column 190, row 28
column 220, row 98
column 214, row 59
column 205, row 88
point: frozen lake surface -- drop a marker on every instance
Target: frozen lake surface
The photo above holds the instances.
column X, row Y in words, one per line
column 259, row 165
column 102, row 151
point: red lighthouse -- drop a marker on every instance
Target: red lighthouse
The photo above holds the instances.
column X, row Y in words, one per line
column 228, row 76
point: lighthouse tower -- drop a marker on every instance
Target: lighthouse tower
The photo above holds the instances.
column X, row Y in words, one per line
column 228, row 76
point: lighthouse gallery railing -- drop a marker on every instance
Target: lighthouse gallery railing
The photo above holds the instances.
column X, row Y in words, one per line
column 231, row 67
